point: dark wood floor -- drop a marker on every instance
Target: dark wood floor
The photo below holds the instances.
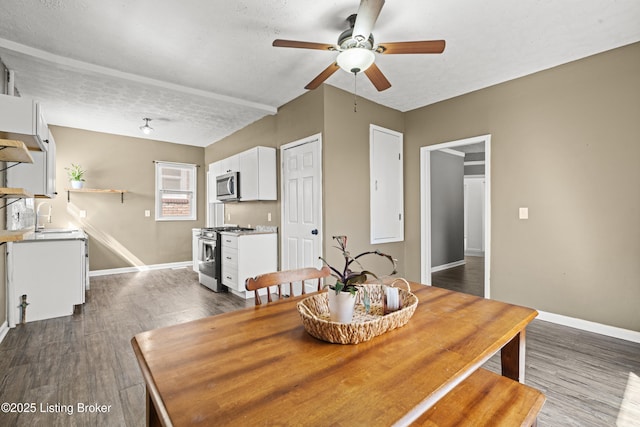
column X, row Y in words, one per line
column 87, row 357
column 467, row 278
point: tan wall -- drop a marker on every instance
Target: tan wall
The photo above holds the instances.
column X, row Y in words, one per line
column 295, row 120
column 565, row 145
column 346, row 176
column 345, row 144
column 120, row 235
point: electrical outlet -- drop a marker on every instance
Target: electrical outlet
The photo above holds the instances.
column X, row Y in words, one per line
column 228, row 217
column 83, row 214
column 269, row 216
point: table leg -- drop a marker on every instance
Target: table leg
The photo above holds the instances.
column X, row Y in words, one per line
column 152, row 415
column 513, row 357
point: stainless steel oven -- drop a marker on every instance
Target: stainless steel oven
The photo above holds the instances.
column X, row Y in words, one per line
column 210, row 256
column 208, row 264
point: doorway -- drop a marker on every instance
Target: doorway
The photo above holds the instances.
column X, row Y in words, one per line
column 301, row 189
column 426, row 191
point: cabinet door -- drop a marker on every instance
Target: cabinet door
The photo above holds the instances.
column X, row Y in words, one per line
column 386, row 172
column 258, row 174
column 267, row 172
column 30, row 176
column 50, row 174
column 55, row 286
column 248, row 167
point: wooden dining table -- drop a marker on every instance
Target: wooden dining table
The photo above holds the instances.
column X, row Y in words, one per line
column 258, row 366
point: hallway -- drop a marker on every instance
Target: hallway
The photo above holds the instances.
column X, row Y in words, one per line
column 468, row 278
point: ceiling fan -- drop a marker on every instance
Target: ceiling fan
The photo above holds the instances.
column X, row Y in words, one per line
column 357, row 48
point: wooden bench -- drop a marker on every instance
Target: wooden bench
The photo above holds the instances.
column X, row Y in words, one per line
column 485, row 399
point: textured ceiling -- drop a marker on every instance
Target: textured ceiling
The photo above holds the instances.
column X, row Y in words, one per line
column 202, row 69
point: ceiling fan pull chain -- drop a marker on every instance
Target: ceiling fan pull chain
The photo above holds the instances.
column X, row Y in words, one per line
column 355, row 87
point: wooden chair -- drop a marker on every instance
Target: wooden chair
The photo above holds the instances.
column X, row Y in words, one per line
column 280, row 278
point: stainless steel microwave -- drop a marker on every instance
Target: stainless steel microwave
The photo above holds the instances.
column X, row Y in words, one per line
column 227, row 187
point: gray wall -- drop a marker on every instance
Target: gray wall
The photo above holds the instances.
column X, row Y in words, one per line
column 447, row 208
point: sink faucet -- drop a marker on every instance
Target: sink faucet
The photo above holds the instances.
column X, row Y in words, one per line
column 38, row 215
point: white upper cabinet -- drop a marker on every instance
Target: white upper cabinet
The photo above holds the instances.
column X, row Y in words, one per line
column 22, row 119
column 258, row 174
column 39, row 177
column 387, row 185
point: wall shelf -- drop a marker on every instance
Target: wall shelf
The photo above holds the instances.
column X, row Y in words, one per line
column 13, row 193
column 94, row 190
column 13, row 236
column 14, row 151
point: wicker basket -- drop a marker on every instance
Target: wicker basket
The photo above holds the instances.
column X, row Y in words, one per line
column 314, row 312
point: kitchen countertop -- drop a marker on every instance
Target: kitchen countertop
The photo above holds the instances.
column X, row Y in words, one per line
column 246, row 232
column 52, row 234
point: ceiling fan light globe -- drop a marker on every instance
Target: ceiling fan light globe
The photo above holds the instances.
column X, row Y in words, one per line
column 355, row 60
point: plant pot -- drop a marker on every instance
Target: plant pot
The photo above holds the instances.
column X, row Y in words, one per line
column 341, row 306
column 77, row 184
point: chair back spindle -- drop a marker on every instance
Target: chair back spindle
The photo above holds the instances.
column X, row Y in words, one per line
column 280, row 278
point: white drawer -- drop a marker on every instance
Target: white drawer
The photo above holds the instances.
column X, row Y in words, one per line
column 230, row 276
column 230, row 255
column 230, row 241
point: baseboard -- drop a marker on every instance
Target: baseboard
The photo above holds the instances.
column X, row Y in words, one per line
column 447, row 266
column 4, row 328
column 586, row 325
column 474, row 252
column 137, row 269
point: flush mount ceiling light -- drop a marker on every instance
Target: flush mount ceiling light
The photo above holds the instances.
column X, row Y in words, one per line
column 146, row 129
column 355, row 59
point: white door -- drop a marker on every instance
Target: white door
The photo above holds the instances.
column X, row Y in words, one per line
column 301, row 163
column 474, row 216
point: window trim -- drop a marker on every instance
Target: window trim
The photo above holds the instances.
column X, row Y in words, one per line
column 191, row 168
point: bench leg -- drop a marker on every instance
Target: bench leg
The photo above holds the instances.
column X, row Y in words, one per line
column 512, row 357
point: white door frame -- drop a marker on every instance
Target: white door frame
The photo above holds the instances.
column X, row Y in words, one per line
column 425, row 206
column 317, row 138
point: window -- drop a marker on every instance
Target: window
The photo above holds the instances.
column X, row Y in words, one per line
column 175, row 192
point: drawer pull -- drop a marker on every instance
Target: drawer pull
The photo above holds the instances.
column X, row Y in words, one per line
column 228, row 257
column 229, row 277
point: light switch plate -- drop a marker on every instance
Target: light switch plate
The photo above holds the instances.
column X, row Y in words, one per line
column 147, row 213
column 83, row 213
column 523, row 213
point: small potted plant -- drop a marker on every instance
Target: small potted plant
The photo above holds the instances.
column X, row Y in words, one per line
column 342, row 294
column 75, row 173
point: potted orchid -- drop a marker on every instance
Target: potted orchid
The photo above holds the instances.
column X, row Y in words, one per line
column 342, row 294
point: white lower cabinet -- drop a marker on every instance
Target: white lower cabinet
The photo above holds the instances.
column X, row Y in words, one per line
column 51, row 273
column 247, row 255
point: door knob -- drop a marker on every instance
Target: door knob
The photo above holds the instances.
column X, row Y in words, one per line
column 314, row 231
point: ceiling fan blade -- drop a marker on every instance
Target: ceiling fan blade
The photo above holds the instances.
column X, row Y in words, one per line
column 303, row 45
column 366, row 18
column 377, row 78
column 324, row 75
column 427, row 46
